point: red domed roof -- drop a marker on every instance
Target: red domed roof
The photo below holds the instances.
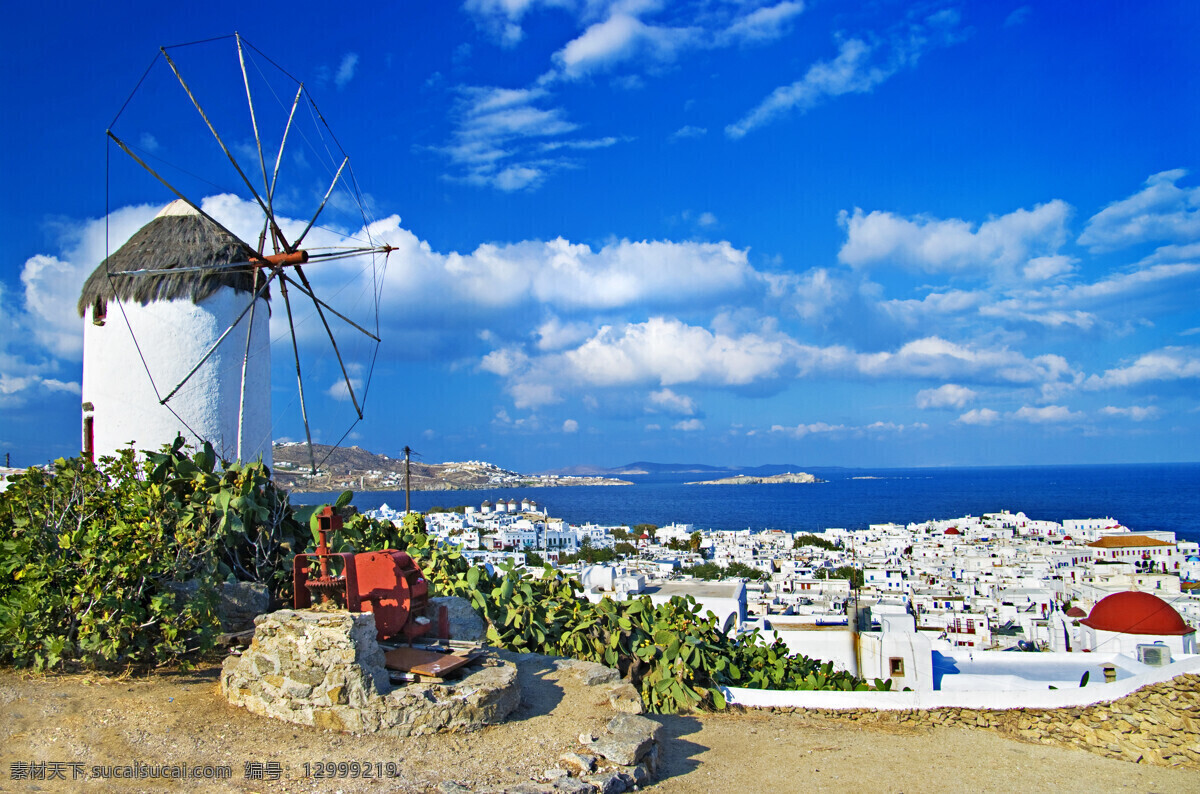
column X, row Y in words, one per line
column 1076, row 612
column 953, row 531
column 1136, row 613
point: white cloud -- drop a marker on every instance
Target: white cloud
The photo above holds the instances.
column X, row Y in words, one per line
column 979, row 416
column 949, row 395
column 502, row 18
column 857, row 69
column 497, row 132
column 764, row 24
column 669, row 402
column 341, row 392
column 619, row 38
column 1135, row 413
column 689, row 131
column 670, row 352
column 554, row 334
column 346, row 69
column 1162, row 211
column 706, row 219
column 822, row 428
column 1046, row 414
column 688, row 425
column 1022, row 242
column 934, row 357
column 570, row 426
column 1165, row 364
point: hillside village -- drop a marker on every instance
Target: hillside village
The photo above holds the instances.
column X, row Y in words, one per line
column 998, row 581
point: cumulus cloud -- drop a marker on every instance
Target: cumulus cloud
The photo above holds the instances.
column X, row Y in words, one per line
column 619, row 38
column 1161, row 211
column 861, row 64
column 1022, row 243
column 667, row 401
column 979, row 416
column 570, row 426
column 934, row 357
column 688, row 425
column 1135, row 413
column 949, row 395
column 1046, row 414
column 1163, row 365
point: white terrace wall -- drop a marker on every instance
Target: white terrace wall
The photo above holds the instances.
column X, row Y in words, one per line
column 898, row 701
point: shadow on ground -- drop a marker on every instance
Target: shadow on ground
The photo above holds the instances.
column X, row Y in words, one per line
column 679, row 756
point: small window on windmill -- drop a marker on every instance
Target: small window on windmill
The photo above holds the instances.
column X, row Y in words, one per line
column 896, row 667
column 99, row 311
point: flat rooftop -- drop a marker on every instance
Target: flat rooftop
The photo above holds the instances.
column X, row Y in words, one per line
column 696, row 589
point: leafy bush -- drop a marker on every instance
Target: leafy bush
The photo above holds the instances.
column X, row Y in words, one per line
column 117, row 564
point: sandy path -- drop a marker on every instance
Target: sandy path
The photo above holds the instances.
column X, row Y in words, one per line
column 179, row 718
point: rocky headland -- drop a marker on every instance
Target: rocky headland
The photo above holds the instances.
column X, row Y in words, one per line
column 776, row 479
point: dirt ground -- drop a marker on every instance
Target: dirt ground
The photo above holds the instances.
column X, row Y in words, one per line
column 101, row 724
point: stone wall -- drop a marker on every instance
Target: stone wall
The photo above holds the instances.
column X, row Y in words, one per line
column 325, row 669
column 1157, row 724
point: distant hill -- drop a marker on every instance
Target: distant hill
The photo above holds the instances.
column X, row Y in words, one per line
column 357, row 469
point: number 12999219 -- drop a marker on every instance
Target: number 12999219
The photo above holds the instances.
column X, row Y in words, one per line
column 324, row 770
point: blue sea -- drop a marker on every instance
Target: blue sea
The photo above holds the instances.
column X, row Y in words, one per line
column 1144, row 497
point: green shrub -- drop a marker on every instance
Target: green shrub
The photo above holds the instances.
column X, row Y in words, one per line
column 117, row 564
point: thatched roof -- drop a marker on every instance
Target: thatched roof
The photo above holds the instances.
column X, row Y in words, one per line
column 178, row 237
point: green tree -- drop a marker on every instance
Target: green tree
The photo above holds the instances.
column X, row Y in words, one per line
column 800, row 541
column 645, row 529
column 855, row 575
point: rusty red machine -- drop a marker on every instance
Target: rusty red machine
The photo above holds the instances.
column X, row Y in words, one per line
column 388, row 583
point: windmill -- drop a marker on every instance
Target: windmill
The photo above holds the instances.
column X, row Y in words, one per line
column 176, row 332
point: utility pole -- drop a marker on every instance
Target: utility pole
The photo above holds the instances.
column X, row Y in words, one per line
column 407, row 452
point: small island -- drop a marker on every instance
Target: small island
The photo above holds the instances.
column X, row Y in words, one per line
column 743, row 479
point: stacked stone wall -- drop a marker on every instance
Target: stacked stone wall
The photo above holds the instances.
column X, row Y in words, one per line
column 326, row 669
column 1158, row 724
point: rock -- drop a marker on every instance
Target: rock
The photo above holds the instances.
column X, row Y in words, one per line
column 578, row 762
column 624, row 697
column 628, row 739
column 240, row 603
column 593, row 674
column 551, row 775
column 465, row 622
column 608, row 782
column 451, row 787
column 636, row 775
column 574, row 785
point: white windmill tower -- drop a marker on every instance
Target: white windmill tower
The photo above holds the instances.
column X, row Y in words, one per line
column 177, row 331
column 167, row 322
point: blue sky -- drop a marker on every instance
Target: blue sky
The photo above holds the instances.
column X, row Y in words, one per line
column 726, row 231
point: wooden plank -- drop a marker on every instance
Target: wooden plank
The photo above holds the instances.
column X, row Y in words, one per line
column 414, row 660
